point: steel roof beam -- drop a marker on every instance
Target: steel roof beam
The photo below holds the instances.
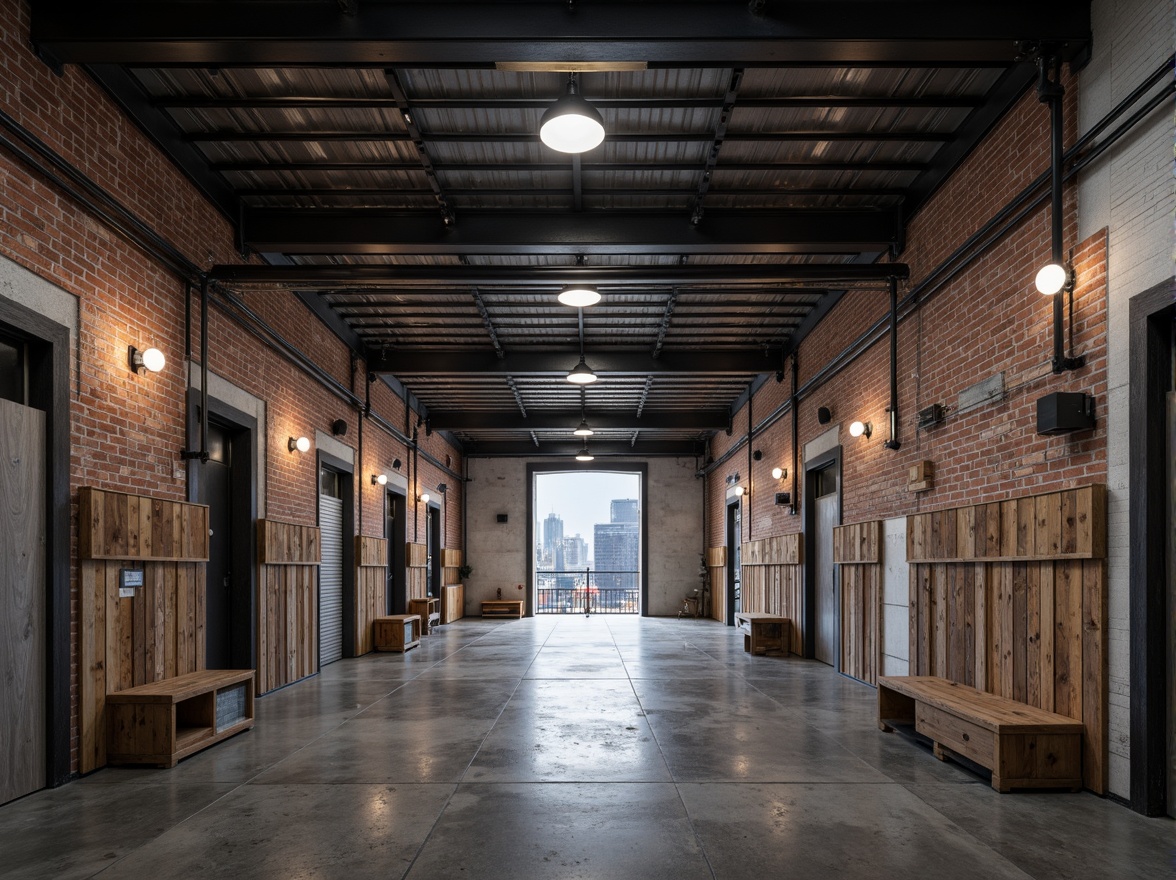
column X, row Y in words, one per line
column 567, row 449
column 555, row 420
column 432, row 362
column 612, row 232
column 311, row 135
column 443, row 278
column 592, row 167
column 662, row 34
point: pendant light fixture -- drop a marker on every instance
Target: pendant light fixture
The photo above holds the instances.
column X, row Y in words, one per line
column 571, row 124
column 581, row 373
column 579, row 296
column 583, row 430
column 584, row 454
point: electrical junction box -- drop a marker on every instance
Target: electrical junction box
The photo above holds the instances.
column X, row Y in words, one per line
column 1063, row 412
column 783, row 498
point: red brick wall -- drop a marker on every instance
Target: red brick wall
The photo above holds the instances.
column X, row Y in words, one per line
column 988, row 319
column 127, row 430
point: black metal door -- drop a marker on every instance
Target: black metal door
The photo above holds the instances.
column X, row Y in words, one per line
column 217, row 494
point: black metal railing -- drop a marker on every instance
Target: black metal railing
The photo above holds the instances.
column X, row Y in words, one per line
column 587, row 592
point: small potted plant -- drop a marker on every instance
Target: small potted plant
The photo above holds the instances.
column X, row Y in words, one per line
column 464, row 571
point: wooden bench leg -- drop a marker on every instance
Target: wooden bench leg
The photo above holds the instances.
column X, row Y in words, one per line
column 884, row 727
column 937, row 751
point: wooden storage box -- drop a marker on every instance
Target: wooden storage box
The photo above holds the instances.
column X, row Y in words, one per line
column 165, row 721
column 502, row 608
column 397, row 632
column 430, row 611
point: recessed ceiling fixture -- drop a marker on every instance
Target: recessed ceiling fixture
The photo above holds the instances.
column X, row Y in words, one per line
column 571, row 124
column 579, row 296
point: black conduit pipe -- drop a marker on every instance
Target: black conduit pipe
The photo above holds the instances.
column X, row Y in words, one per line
column 893, row 442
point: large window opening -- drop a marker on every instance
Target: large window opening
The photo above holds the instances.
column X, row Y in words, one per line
column 587, row 547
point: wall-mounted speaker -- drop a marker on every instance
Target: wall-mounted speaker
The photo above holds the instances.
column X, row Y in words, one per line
column 500, row 517
column 824, row 415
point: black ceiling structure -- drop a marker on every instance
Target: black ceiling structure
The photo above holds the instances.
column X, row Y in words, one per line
column 761, row 160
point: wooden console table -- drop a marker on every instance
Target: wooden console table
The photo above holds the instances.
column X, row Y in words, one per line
column 430, row 611
column 502, row 608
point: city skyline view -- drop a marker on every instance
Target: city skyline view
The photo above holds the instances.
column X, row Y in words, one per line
column 581, row 500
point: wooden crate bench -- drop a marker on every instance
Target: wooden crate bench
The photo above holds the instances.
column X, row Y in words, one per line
column 1023, row 746
column 396, row 632
column 502, row 608
column 165, row 721
column 764, row 632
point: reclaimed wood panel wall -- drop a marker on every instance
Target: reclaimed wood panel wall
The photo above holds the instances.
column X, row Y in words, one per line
column 157, row 634
column 1010, row 597
column 716, row 567
column 773, row 581
column 416, row 559
column 450, row 565
column 857, row 548
column 287, row 602
column 371, row 555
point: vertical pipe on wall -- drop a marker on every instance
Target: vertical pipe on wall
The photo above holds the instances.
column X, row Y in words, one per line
column 893, row 442
column 204, row 369
column 795, row 434
column 750, row 436
column 1051, row 92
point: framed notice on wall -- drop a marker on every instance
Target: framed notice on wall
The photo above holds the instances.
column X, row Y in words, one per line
column 129, row 580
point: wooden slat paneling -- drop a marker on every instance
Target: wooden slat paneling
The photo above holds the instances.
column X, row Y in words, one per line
column 371, row 581
column 417, row 559
column 287, row 603
column 1024, row 616
column 771, row 581
column 857, row 548
column 134, row 528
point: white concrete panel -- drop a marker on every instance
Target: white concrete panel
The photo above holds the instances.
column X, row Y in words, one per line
column 896, row 631
column 331, row 446
column 896, row 584
column 36, row 294
column 895, row 665
column 822, row 443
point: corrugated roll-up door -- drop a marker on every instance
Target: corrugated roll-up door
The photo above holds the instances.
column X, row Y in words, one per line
column 331, row 580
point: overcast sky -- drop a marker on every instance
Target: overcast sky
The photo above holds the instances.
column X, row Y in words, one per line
column 581, row 499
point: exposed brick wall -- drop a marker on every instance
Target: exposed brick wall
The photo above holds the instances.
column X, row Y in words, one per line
column 127, row 430
column 988, row 319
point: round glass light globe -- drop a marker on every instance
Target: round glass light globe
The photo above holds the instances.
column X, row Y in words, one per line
column 1051, row 278
column 154, row 360
column 856, row 429
column 777, row 473
column 579, row 297
column 302, row 444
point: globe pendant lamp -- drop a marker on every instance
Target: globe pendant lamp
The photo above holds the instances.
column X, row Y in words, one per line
column 584, row 430
column 571, row 124
column 584, row 454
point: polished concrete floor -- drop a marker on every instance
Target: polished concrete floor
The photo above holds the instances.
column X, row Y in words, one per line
column 562, row 747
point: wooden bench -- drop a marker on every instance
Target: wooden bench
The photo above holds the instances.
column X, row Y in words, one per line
column 1023, row 746
column 502, row 608
column 764, row 633
column 430, row 611
column 396, row 632
column 166, row 721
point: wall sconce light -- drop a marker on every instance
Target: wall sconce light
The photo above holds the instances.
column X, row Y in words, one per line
column 779, row 473
column 424, row 498
column 1053, row 278
column 301, row 444
column 860, row 429
column 379, row 480
column 152, row 359
column 739, row 490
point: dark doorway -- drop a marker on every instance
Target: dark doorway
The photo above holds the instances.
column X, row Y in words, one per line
column 336, row 575
column 396, row 532
column 225, row 484
column 226, row 489
column 822, row 513
column 734, row 564
column 433, row 542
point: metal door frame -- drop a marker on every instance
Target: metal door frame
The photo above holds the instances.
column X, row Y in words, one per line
column 396, row 600
column 734, row 557
column 832, row 458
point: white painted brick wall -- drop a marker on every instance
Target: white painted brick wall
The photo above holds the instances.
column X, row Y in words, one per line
column 1131, row 193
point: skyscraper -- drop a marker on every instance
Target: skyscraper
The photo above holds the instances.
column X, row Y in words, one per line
column 623, row 510
column 616, row 546
column 552, row 535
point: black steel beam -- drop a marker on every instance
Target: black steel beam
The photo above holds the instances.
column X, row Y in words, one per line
column 611, row 232
column 311, row 135
column 323, row 102
column 661, row 34
column 433, row 362
column 248, row 165
column 551, row 277
column 493, row 188
column 554, row 420
column 523, row 447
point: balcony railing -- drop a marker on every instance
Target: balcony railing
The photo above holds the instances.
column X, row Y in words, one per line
column 587, row 592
